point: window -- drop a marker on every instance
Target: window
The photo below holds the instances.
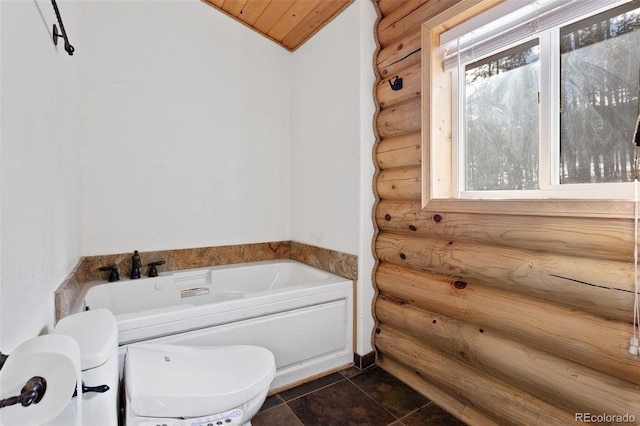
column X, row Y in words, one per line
column 544, row 100
column 501, row 120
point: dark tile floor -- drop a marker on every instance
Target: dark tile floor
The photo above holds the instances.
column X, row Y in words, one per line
column 352, row 397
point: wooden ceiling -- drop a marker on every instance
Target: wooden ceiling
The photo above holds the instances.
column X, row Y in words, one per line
column 287, row 22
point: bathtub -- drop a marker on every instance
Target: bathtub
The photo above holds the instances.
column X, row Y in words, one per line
column 302, row 314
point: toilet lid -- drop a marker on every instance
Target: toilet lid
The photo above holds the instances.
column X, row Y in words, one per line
column 191, row 381
column 96, row 331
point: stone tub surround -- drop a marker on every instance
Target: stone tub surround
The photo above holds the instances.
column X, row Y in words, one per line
column 345, row 265
column 332, row 261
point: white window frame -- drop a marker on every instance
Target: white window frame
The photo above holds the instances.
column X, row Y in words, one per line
column 439, row 192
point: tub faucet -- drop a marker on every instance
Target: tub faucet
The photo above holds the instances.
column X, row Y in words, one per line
column 113, row 272
column 136, row 264
column 153, row 271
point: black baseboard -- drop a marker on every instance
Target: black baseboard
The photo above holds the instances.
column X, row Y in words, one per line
column 364, row 361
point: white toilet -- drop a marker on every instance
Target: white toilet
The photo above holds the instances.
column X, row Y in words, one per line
column 170, row 385
column 97, row 335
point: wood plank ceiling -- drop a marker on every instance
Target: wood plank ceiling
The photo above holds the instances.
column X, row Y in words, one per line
column 287, row 22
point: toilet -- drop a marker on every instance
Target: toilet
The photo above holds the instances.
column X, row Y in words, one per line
column 96, row 333
column 164, row 384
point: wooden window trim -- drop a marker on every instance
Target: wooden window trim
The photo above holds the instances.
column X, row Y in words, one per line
column 437, row 142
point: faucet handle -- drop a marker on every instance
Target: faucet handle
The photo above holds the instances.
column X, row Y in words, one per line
column 153, row 271
column 113, row 272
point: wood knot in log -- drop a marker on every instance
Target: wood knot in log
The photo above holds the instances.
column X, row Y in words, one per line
column 459, row 284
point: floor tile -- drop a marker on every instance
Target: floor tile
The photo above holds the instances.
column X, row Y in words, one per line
column 340, row 404
column 277, row 416
column 350, row 372
column 271, row 402
column 431, row 415
column 396, row 397
column 305, row 388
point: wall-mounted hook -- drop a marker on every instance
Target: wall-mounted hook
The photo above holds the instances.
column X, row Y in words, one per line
column 3, row 358
column 397, row 83
column 56, row 35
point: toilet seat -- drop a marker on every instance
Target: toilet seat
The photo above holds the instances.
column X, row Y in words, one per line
column 164, row 380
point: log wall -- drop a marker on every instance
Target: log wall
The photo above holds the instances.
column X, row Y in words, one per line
column 499, row 319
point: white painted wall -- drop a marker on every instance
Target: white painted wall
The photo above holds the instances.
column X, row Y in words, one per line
column 332, row 134
column 186, row 129
column 40, row 166
column 365, row 293
column 325, row 131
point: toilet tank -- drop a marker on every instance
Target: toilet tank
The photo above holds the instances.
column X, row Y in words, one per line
column 96, row 332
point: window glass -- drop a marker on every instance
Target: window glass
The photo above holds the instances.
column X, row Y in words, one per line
column 600, row 61
column 501, row 120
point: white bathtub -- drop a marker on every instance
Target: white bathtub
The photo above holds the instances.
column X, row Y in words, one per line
column 302, row 314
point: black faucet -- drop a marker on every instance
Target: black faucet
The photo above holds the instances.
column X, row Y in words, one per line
column 113, row 272
column 153, row 271
column 136, row 264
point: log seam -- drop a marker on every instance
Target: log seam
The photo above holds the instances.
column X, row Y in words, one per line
column 376, row 173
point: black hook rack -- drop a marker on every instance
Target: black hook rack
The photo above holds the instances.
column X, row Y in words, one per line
column 31, row 393
column 56, row 35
